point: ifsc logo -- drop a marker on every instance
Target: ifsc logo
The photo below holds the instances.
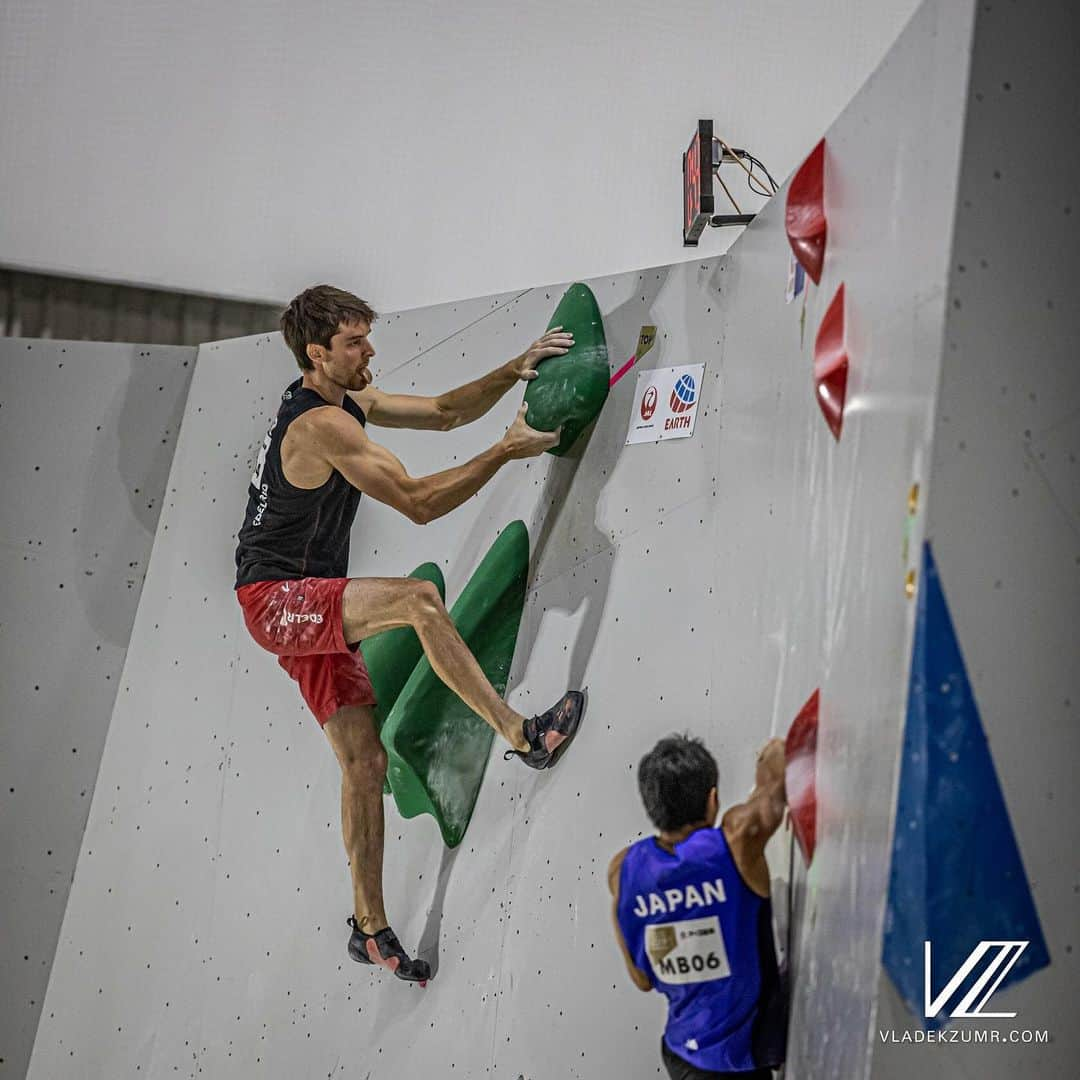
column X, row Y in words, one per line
column 684, row 395
column 999, row 957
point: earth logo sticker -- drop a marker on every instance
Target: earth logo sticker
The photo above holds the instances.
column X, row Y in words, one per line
column 684, row 394
column 665, row 403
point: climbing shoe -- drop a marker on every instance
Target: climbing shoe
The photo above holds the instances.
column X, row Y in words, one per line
column 549, row 734
column 384, row 949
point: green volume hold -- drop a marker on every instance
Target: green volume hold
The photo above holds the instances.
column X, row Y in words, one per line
column 571, row 390
column 437, row 746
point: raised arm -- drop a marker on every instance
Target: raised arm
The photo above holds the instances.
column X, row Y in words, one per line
column 345, row 446
column 465, row 403
column 640, row 979
column 748, row 826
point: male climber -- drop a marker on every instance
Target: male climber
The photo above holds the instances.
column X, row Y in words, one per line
column 293, row 554
column 693, row 916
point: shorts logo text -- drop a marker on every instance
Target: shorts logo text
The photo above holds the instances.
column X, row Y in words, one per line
column 300, row 617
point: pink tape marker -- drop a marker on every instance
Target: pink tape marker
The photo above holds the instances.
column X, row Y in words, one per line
column 646, row 338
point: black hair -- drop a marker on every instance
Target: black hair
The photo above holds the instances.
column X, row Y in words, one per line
column 675, row 778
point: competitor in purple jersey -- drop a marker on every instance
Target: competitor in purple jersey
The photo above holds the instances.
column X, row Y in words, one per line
column 693, row 916
column 292, row 566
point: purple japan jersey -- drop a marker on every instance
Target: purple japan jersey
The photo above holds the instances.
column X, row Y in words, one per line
column 705, row 938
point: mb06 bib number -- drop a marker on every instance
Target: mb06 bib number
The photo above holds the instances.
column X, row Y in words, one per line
column 690, row 951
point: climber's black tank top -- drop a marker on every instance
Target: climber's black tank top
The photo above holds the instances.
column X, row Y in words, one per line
column 291, row 532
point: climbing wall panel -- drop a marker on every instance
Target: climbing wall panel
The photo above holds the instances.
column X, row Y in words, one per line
column 87, row 432
column 1003, row 520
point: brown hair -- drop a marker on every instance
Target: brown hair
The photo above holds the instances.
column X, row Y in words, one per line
column 315, row 316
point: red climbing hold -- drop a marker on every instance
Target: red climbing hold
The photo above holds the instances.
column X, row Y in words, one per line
column 831, row 364
column 804, row 220
column 800, row 748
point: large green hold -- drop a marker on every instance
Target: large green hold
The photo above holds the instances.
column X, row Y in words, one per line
column 570, row 390
column 437, row 746
column 392, row 656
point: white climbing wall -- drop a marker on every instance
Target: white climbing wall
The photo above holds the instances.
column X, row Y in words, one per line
column 706, row 584
column 87, row 433
column 1004, row 509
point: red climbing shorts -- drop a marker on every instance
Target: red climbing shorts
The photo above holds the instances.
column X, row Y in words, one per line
column 300, row 623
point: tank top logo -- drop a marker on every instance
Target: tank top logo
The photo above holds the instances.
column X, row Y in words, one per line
column 257, row 476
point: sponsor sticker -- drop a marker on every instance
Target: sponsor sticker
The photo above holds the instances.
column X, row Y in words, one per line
column 666, row 403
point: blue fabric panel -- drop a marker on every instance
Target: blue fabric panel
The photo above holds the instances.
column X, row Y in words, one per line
column 957, row 877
